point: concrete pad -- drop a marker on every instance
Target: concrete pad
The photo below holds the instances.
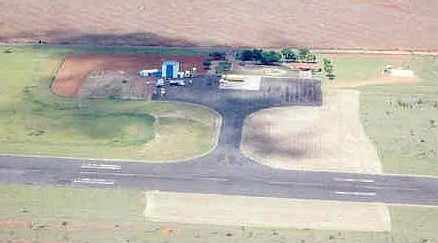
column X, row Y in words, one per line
column 404, row 73
column 265, row 212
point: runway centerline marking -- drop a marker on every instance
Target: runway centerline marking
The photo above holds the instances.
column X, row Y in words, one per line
column 367, row 194
column 355, row 180
column 294, row 183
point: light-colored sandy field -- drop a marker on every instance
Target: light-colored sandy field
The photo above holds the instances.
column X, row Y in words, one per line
column 377, row 24
column 327, row 138
column 265, row 212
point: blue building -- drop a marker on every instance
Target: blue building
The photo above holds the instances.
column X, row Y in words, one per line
column 169, row 69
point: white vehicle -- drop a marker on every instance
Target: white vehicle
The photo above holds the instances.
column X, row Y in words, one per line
column 147, row 72
column 160, row 83
column 177, row 82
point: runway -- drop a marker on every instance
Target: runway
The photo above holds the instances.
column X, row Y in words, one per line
column 225, row 170
column 254, row 180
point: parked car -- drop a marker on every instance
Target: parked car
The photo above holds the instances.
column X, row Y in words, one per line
column 177, row 82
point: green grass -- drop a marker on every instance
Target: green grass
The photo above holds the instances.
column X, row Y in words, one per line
column 33, row 213
column 400, row 119
column 166, row 51
column 351, row 68
column 35, row 121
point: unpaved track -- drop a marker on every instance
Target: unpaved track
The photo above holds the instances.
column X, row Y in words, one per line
column 373, row 24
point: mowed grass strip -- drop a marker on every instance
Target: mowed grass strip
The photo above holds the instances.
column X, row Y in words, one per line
column 35, row 121
column 34, row 213
column 400, row 119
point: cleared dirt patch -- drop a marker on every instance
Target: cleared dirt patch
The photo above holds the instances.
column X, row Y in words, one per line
column 327, row 138
column 265, row 212
column 77, row 67
column 117, row 85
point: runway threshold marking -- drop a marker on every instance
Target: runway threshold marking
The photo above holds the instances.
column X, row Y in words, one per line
column 355, row 180
column 367, row 194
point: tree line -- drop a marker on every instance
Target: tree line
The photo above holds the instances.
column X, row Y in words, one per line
column 303, row 54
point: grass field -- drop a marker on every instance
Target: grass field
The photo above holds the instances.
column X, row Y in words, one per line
column 53, row 214
column 35, row 121
column 400, row 119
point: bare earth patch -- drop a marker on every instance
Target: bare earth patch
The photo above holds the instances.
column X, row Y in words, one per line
column 265, row 212
column 327, row 138
column 77, row 67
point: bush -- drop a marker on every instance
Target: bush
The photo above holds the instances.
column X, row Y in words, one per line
column 289, row 55
column 217, row 56
column 223, row 67
column 245, row 55
column 270, row 57
column 206, row 63
column 258, row 55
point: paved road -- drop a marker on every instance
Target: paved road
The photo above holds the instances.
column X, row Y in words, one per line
column 225, row 170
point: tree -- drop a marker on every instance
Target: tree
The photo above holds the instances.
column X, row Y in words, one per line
column 303, row 53
column 245, row 55
column 257, row 54
column 206, row 63
column 289, row 54
column 328, row 67
column 217, row 55
column 269, row 57
column 311, row 57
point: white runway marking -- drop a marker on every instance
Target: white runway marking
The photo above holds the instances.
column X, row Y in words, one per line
column 355, row 180
column 101, row 166
column 295, row 183
column 367, row 194
column 94, row 181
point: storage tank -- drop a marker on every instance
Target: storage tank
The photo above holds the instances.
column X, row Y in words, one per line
column 170, row 69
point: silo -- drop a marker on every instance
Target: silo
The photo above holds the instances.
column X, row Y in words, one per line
column 170, row 69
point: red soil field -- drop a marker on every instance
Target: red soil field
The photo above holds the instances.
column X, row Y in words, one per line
column 347, row 24
column 76, row 67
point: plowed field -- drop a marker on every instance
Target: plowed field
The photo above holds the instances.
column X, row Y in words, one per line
column 368, row 24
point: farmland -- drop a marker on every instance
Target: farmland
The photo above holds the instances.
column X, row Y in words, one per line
column 35, row 121
column 375, row 24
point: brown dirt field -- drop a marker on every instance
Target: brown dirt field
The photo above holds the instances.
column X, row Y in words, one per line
column 77, row 67
column 367, row 24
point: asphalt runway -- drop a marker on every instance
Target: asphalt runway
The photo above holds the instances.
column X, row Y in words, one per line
column 225, row 170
